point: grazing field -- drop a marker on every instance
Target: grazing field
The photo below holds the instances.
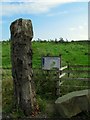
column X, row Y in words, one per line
column 75, row 53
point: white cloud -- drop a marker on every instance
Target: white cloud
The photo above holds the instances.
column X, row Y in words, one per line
column 22, row 8
column 33, row 7
column 79, row 31
column 58, row 13
column 80, row 27
column 84, row 37
column 1, row 14
column 56, row 1
column 11, row 0
column 85, row 24
column 0, row 22
column 72, row 29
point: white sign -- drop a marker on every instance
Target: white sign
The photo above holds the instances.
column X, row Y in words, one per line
column 49, row 63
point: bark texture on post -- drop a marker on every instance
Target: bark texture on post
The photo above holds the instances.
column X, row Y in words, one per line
column 21, row 55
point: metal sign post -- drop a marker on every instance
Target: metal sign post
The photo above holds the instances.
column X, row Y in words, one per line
column 53, row 63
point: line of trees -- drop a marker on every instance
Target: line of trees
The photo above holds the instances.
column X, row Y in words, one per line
column 60, row 40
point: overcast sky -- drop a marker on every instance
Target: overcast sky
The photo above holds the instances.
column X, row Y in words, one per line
column 50, row 19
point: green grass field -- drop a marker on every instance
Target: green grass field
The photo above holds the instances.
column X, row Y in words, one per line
column 76, row 53
column 73, row 52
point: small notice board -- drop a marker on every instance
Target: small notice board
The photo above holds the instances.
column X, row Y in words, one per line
column 49, row 63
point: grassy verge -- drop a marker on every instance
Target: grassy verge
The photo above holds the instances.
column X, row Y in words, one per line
column 45, row 82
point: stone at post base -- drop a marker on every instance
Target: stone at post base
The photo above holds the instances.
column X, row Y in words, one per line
column 73, row 103
column 21, row 57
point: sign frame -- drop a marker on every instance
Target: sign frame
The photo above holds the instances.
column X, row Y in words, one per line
column 55, row 61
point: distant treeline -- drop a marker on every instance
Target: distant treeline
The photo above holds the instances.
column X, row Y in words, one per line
column 56, row 41
column 61, row 40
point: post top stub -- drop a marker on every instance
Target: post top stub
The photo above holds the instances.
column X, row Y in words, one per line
column 22, row 26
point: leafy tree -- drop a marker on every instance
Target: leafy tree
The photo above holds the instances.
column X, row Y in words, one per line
column 61, row 39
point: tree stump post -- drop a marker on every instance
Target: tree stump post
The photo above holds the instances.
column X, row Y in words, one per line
column 21, row 57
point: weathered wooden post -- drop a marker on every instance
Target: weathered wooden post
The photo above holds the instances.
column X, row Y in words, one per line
column 58, row 79
column 21, row 55
column 68, row 69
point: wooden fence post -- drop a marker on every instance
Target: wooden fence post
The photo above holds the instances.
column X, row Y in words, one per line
column 58, row 84
column 68, row 69
column 58, row 79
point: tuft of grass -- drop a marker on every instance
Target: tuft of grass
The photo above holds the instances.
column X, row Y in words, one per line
column 7, row 96
column 42, row 104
